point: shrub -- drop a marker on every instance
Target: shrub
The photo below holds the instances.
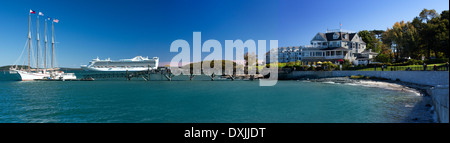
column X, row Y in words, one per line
column 319, row 68
column 290, row 64
column 436, row 61
column 304, row 67
column 356, row 76
column 346, row 64
column 329, row 66
column 374, row 65
column 414, row 62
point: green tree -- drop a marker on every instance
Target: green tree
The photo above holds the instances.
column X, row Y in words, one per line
column 371, row 39
column 441, row 30
column 426, row 15
column 427, row 34
column 383, row 58
column 367, row 37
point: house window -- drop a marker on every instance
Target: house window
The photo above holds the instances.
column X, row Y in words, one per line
column 335, row 36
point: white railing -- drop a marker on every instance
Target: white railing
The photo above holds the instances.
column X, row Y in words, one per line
column 327, row 57
column 314, row 46
column 339, row 30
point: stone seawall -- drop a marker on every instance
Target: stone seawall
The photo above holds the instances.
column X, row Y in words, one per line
column 439, row 96
column 438, row 79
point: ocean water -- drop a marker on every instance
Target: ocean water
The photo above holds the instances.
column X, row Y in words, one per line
column 121, row 101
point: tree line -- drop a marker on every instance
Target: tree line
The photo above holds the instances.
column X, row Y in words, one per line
column 426, row 35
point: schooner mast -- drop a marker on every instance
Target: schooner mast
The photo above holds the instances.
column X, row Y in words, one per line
column 37, row 74
column 29, row 39
column 37, row 51
column 53, row 43
column 45, row 50
column 37, row 38
column 53, row 39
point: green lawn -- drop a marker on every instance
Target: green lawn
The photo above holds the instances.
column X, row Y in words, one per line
column 413, row 67
column 397, row 68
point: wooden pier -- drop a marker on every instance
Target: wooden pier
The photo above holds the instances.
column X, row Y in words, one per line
column 166, row 73
column 83, row 79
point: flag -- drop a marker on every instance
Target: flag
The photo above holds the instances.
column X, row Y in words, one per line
column 49, row 19
column 55, row 20
column 41, row 14
column 32, row 12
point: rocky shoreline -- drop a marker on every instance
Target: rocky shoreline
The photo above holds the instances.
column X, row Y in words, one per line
column 423, row 111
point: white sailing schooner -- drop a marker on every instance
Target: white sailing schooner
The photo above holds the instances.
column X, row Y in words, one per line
column 52, row 73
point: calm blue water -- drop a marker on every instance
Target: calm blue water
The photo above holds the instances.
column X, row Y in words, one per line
column 199, row 101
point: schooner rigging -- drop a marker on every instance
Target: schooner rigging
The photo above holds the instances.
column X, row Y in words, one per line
column 45, row 73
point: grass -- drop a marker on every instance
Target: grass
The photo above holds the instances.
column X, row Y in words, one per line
column 413, row 67
column 398, row 68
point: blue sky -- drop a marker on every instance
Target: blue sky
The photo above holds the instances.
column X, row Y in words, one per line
column 124, row 29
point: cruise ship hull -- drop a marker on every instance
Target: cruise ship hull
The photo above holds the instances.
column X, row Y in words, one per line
column 115, row 69
column 137, row 63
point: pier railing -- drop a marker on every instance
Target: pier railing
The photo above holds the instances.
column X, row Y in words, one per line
column 400, row 68
column 374, row 68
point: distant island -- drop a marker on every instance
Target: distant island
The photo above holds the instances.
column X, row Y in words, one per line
column 6, row 68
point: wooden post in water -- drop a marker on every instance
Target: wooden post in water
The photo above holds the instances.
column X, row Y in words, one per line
column 212, row 77
column 128, row 76
column 191, row 77
column 148, row 73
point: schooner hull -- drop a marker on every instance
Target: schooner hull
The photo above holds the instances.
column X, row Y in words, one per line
column 26, row 76
column 31, row 76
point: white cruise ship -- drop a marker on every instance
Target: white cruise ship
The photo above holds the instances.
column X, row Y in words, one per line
column 137, row 63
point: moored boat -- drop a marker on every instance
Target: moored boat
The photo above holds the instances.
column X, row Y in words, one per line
column 137, row 63
column 31, row 74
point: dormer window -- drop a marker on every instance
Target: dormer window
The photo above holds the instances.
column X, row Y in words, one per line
column 335, row 36
column 317, row 36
